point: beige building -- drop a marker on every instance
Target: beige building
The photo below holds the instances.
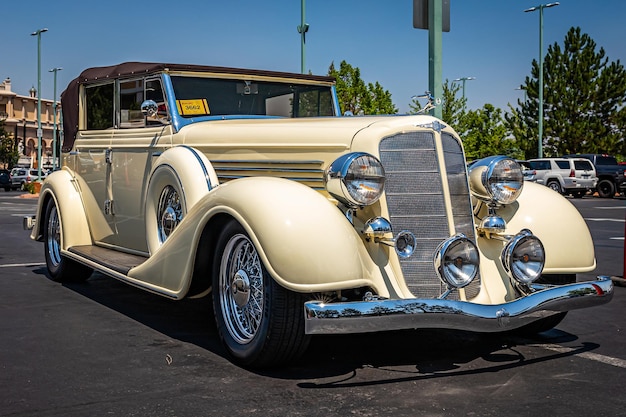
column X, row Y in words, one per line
column 20, row 121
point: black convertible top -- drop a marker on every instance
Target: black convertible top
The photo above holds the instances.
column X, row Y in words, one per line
column 69, row 97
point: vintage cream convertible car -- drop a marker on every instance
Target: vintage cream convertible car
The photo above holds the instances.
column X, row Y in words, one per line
column 249, row 186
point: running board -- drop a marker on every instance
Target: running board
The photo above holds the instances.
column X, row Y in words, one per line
column 117, row 261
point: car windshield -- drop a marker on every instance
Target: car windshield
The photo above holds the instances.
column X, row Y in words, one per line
column 199, row 96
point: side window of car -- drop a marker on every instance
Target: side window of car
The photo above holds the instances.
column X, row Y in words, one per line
column 540, row 165
column 583, row 165
column 563, row 164
column 99, row 106
column 154, row 92
column 131, row 97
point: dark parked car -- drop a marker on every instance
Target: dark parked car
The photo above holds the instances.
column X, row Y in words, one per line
column 5, row 179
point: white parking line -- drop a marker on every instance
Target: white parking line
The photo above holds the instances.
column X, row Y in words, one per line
column 620, row 363
column 605, row 220
column 22, row 265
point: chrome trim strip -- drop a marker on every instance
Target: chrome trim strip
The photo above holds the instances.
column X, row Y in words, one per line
column 204, row 169
column 267, row 161
column 381, row 315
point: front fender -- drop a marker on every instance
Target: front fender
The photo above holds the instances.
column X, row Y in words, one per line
column 61, row 187
column 559, row 225
column 305, row 242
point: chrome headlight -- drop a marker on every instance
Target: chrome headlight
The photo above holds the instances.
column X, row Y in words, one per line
column 496, row 178
column 456, row 261
column 523, row 257
column 355, row 179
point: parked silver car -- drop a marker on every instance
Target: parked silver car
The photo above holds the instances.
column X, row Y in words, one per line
column 22, row 176
column 574, row 176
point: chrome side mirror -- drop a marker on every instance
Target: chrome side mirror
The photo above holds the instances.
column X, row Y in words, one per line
column 149, row 108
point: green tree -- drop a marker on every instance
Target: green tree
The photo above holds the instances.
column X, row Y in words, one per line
column 8, row 150
column 486, row 134
column 584, row 96
column 357, row 97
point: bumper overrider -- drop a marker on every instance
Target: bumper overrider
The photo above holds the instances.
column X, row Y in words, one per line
column 387, row 314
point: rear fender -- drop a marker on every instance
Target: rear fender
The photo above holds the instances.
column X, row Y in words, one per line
column 61, row 187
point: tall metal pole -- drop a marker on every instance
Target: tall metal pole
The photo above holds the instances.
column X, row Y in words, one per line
column 54, row 126
column 463, row 79
column 303, row 28
column 39, row 130
column 435, row 27
column 540, row 93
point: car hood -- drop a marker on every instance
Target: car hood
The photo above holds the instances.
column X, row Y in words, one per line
column 330, row 133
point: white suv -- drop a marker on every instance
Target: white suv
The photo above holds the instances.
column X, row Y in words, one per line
column 575, row 176
column 22, row 176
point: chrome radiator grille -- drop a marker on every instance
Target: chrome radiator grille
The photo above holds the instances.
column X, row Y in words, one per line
column 415, row 199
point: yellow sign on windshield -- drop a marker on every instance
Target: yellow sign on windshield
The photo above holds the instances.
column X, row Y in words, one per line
column 194, row 107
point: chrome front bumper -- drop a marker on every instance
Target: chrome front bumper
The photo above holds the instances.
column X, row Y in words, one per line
column 381, row 315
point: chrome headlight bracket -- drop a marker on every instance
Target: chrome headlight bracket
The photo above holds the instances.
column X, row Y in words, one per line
column 379, row 230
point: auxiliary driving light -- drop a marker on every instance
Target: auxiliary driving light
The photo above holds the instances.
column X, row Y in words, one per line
column 523, row 257
column 456, row 261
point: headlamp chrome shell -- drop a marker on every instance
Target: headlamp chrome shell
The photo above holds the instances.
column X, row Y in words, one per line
column 498, row 179
column 523, row 257
column 356, row 179
column 456, row 261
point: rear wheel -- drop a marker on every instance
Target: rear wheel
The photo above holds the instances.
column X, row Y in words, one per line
column 259, row 322
column 606, row 189
column 60, row 268
column 554, row 185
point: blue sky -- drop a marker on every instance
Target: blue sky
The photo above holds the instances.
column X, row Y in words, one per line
column 492, row 40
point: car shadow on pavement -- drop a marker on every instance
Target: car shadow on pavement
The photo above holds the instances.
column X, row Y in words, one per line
column 403, row 355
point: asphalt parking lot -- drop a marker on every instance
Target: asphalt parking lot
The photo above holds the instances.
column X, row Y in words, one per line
column 105, row 348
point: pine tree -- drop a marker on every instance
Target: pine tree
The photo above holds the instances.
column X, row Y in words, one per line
column 584, row 96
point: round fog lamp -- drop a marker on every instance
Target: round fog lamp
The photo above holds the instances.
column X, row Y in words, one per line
column 405, row 244
column 456, row 261
column 523, row 257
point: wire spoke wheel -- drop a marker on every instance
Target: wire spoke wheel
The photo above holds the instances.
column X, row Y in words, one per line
column 53, row 237
column 241, row 289
column 260, row 323
column 59, row 267
column 169, row 212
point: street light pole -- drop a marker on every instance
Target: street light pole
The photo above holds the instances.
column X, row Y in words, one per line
column 39, row 131
column 540, row 116
column 303, row 28
column 54, row 128
column 463, row 79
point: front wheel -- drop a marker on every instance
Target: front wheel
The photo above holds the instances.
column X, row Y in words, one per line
column 60, row 268
column 259, row 322
column 606, row 189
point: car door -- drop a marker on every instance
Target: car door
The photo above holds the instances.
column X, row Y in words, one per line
column 134, row 146
column 89, row 159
